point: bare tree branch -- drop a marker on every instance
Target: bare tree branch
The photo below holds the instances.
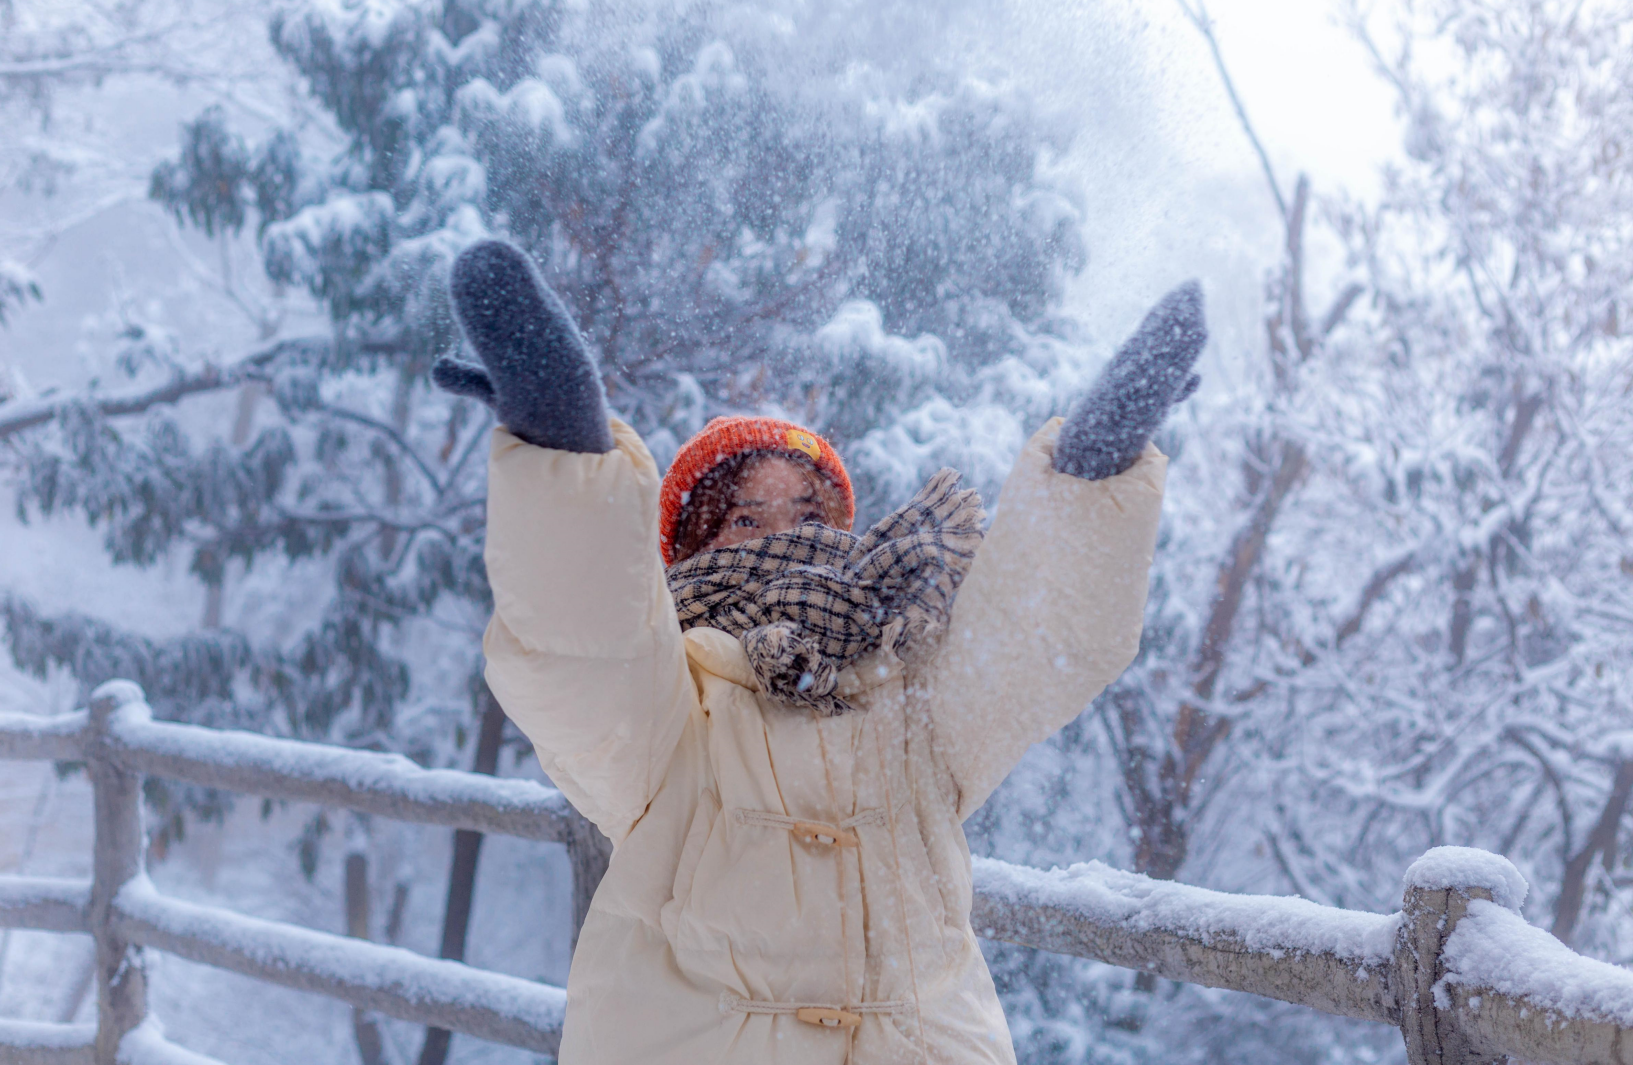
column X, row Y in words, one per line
column 1340, row 308
column 1199, row 18
column 1526, row 409
column 392, row 435
column 1163, row 843
column 152, row 51
column 18, row 417
column 1238, row 567
column 92, row 64
column 1602, row 840
column 1374, row 590
column 1552, row 776
column 1298, row 318
column 1358, row 26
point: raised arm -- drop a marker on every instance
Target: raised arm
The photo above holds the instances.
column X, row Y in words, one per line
column 1052, row 609
column 584, row 651
column 1050, row 613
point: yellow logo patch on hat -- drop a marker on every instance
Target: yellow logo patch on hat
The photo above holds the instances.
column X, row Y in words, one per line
column 800, row 440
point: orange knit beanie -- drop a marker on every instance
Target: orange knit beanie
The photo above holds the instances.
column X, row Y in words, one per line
column 724, row 438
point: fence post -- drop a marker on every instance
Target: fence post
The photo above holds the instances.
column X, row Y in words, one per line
column 1437, row 896
column 121, row 973
column 588, row 852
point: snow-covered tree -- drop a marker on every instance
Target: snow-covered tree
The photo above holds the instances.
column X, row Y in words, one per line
column 1473, row 686
column 728, row 241
column 69, row 158
column 740, row 214
column 1391, row 604
column 1391, row 608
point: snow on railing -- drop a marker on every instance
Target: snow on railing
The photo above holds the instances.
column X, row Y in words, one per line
column 119, row 742
column 30, row 737
column 1336, row 961
column 33, row 1043
column 390, row 980
column 49, row 904
column 385, row 784
column 1459, row 971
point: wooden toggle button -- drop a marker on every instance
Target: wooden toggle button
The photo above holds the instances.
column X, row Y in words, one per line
column 828, row 1018
column 827, row 835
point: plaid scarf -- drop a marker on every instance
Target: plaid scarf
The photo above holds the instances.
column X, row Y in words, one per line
column 808, row 602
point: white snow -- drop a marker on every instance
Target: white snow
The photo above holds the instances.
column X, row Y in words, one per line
column 362, row 771
column 560, row 72
column 1614, row 745
column 342, row 960
column 36, row 1035
column 714, row 75
column 1494, row 947
column 856, row 332
column 351, row 227
column 14, row 274
column 55, row 904
column 451, row 181
column 40, row 735
column 17, row 282
column 530, row 107
column 1099, row 893
column 146, row 1045
column 1468, row 867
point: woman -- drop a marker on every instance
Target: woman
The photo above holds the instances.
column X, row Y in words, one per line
column 781, row 725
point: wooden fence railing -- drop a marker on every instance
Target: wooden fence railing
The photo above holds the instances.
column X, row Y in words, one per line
column 1463, row 976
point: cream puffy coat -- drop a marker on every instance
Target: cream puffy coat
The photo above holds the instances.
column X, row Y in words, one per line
column 767, row 861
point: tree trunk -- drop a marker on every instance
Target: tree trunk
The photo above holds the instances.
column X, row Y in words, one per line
column 1602, row 840
column 370, row 1045
column 1162, row 806
column 1463, row 582
column 1160, row 789
column 456, row 917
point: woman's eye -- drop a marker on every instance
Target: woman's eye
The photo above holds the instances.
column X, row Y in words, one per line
column 745, row 522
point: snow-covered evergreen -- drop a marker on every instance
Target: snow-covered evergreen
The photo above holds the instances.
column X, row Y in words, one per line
column 1391, row 604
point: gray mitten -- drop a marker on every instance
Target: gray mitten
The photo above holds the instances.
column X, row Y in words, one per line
column 540, row 378
column 1127, row 403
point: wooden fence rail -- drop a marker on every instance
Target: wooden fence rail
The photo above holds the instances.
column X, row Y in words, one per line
column 1458, row 971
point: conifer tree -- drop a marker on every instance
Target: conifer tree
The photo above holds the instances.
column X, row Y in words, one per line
column 738, row 222
column 728, row 240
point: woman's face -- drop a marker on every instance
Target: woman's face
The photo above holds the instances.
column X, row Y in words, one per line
column 772, row 496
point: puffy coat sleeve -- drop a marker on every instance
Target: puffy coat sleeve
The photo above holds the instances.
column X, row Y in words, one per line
column 1049, row 614
column 584, row 652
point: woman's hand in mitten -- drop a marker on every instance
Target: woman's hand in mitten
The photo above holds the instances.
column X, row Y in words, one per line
column 1127, row 403
column 536, row 373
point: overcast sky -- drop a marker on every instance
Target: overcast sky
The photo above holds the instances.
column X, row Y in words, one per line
column 1307, row 83
column 1173, row 187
